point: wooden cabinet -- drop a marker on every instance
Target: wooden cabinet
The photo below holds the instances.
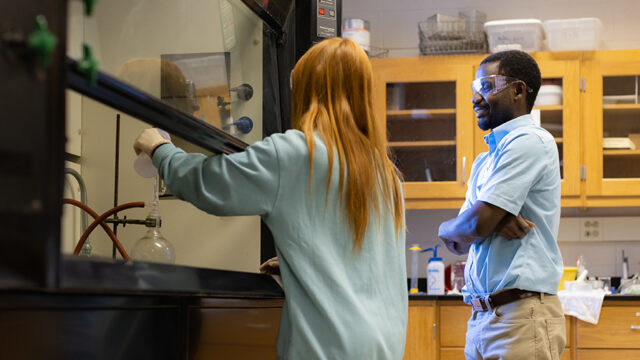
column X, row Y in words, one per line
column 453, row 324
column 437, row 330
column 425, row 103
column 616, row 336
column 452, row 321
column 607, row 354
column 234, row 329
column 421, row 331
column 612, row 110
column 617, row 328
column 452, row 318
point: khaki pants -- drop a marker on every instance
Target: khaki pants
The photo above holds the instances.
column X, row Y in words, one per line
column 532, row 328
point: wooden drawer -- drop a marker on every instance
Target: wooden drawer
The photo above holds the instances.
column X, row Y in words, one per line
column 242, row 333
column 618, row 327
column 453, row 325
column 458, row 354
column 452, row 354
column 607, row 354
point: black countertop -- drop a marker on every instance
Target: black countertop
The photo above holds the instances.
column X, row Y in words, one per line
column 82, row 275
column 616, row 297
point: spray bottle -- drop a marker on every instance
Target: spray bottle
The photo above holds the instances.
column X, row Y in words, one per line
column 435, row 273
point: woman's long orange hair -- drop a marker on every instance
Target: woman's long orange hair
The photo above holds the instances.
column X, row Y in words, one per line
column 332, row 95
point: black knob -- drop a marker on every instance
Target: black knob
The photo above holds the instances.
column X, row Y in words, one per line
column 244, row 91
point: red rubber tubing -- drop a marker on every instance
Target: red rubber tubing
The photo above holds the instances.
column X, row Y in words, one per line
column 95, row 215
column 100, row 219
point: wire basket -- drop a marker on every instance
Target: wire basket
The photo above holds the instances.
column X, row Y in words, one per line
column 376, row 52
column 452, row 37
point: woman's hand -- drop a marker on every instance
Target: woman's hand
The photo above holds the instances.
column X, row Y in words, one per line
column 148, row 141
column 271, row 266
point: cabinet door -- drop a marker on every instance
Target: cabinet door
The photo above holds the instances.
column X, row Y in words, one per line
column 421, row 331
column 618, row 327
column 425, row 103
column 561, row 119
column 453, row 325
column 612, row 127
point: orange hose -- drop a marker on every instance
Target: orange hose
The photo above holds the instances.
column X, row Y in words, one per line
column 95, row 215
column 100, row 219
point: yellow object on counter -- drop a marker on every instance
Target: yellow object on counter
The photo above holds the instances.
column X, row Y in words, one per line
column 569, row 274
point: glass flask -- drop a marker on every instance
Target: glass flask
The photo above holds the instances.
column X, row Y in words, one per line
column 153, row 247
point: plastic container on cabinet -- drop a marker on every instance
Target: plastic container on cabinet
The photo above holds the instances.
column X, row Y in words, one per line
column 549, row 95
column 573, row 34
column 518, row 34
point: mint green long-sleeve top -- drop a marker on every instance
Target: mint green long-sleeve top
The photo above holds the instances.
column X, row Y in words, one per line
column 339, row 303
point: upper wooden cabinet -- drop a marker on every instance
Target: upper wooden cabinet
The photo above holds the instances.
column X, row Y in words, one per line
column 426, row 104
column 612, row 120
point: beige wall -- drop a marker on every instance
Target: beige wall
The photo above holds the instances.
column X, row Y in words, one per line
column 121, row 30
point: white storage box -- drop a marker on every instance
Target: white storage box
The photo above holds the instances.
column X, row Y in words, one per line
column 573, row 34
column 549, row 95
column 520, row 34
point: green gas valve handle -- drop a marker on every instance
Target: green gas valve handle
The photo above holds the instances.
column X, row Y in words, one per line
column 42, row 41
column 88, row 6
column 88, row 66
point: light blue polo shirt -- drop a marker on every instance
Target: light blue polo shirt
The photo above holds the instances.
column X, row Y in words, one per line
column 519, row 174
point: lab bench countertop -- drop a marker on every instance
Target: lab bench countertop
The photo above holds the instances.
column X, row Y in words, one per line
column 105, row 276
column 616, row 297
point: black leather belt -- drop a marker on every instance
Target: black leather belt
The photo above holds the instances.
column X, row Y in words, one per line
column 500, row 298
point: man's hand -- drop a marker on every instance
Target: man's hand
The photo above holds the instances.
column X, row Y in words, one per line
column 271, row 266
column 456, row 248
column 514, row 227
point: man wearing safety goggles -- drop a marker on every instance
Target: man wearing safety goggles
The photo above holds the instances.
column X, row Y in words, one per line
column 509, row 222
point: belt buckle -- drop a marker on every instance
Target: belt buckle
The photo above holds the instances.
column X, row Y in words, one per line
column 480, row 304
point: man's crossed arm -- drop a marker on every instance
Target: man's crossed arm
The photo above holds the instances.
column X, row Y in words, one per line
column 479, row 222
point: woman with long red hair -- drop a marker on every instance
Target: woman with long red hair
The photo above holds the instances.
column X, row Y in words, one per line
column 333, row 201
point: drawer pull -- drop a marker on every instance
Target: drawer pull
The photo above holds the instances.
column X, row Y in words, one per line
column 635, row 327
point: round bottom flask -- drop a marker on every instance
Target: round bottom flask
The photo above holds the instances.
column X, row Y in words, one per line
column 153, row 247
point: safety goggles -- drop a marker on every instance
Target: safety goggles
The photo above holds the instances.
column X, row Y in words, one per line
column 493, row 84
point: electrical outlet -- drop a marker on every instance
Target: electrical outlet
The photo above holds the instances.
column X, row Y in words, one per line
column 591, row 229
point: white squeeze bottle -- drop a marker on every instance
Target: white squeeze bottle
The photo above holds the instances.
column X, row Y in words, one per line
column 435, row 273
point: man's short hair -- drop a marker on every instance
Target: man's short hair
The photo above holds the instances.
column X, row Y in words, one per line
column 520, row 65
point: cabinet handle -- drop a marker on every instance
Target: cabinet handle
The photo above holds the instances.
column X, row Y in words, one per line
column 434, row 330
column 635, row 327
column 464, row 167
